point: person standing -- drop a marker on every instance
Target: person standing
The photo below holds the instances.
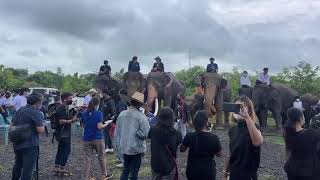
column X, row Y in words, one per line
column 131, row 132
column 264, row 77
column 158, row 65
column 302, row 148
column 92, row 121
column 134, row 65
column 21, row 99
column 212, row 67
column 63, row 134
column 92, row 92
column 165, row 141
column 245, row 81
column 27, row 151
column 245, row 144
column 183, row 115
column 203, row 147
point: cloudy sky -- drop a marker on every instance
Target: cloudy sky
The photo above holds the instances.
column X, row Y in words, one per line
column 77, row 35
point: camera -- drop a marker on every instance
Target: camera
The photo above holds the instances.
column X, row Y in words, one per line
column 231, row 107
column 73, row 112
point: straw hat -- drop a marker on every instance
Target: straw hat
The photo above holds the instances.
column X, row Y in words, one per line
column 139, row 97
column 93, row 91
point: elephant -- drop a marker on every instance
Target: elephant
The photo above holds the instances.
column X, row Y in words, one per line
column 276, row 98
column 308, row 100
column 195, row 102
column 214, row 85
column 162, row 86
column 134, row 82
column 247, row 91
column 112, row 84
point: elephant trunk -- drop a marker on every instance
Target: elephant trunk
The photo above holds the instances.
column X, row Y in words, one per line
column 210, row 94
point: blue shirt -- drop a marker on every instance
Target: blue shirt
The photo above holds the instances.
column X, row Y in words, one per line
column 28, row 115
column 90, row 121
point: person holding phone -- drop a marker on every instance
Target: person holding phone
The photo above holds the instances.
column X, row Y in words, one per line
column 203, row 147
column 245, row 144
column 92, row 120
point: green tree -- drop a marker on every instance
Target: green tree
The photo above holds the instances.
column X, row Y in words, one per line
column 190, row 78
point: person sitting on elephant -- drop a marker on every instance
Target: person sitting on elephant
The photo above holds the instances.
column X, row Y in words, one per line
column 134, row 65
column 264, row 77
column 158, row 65
column 183, row 115
column 298, row 104
column 245, row 80
column 212, row 67
column 105, row 69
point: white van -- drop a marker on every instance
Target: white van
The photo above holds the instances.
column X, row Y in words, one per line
column 50, row 92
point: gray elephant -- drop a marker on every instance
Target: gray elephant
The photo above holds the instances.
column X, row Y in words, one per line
column 247, row 91
column 195, row 102
column 162, row 87
column 112, row 84
column 308, row 100
column 213, row 85
column 134, row 82
column 275, row 98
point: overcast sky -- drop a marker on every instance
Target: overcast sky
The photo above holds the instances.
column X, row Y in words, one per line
column 77, row 35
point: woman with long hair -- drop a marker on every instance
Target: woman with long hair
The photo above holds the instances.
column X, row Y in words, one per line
column 203, row 147
column 165, row 141
column 245, row 143
column 302, row 148
column 93, row 137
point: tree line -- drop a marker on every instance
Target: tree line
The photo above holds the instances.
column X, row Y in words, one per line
column 303, row 77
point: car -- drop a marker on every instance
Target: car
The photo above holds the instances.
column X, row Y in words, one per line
column 48, row 93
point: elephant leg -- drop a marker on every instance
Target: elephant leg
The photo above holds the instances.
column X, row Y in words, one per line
column 277, row 118
column 168, row 101
column 226, row 119
column 218, row 105
column 263, row 118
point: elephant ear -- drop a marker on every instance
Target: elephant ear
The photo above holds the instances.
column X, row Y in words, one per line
column 143, row 84
column 223, row 83
column 167, row 80
column 125, row 77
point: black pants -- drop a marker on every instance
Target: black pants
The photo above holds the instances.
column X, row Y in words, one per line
column 107, row 139
column 64, row 149
column 131, row 167
column 25, row 161
column 243, row 176
column 290, row 177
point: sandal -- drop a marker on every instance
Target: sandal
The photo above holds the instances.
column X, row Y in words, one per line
column 65, row 173
column 56, row 171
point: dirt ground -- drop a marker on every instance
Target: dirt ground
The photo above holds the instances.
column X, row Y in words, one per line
column 272, row 160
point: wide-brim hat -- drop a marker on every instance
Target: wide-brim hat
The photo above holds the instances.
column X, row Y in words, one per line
column 139, row 97
column 157, row 58
column 93, row 91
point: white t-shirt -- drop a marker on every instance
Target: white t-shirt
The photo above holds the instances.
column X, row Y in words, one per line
column 4, row 101
column 86, row 100
column 245, row 80
column 264, row 78
column 19, row 101
column 298, row 104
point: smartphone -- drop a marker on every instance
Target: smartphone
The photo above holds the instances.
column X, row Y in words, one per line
column 231, row 107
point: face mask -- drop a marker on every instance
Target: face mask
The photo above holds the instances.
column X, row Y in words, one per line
column 69, row 102
column 245, row 75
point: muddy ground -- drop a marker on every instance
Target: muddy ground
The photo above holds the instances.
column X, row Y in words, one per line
column 272, row 159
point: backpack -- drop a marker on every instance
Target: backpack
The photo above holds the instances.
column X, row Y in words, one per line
column 52, row 116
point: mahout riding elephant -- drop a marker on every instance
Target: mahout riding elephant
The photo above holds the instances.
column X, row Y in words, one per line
column 162, row 86
column 275, row 98
column 308, row 100
column 112, row 84
column 213, row 85
column 134, row 82
column 247, row 91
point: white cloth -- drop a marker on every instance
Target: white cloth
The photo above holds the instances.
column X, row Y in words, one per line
column 19, row 101
column 86, row 100
column 245, row 80
column 181, row 127
column 298, row 104
column 264, row 78
column 4, row 101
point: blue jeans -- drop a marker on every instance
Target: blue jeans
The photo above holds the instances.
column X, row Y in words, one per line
column 107, row 139
column 25, row 162
column 64, row 149
column 132, row 165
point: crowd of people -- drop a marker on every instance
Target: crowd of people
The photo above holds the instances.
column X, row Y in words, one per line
column 112, row 122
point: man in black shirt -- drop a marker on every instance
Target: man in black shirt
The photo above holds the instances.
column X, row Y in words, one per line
column 212, row 67
column 105, row 69
column 158, row 65
column 63, row 134
column 134, row 65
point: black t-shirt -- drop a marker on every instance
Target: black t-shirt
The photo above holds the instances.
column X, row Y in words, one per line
column 161, row 161
column 245, row 157
column 203, row 146
column 304, row 154
column 62, row 113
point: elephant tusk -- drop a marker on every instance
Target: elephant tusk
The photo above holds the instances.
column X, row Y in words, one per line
column 156, row 107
